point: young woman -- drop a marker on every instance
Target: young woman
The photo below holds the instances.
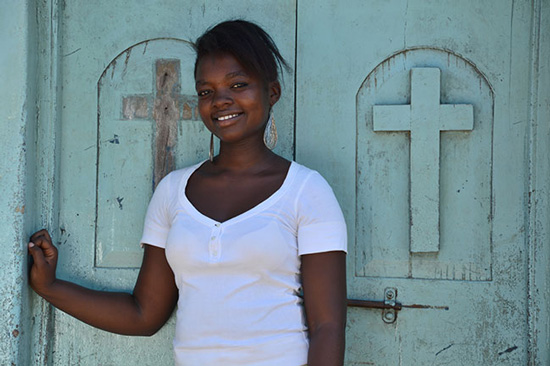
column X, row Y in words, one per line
column 233, row 240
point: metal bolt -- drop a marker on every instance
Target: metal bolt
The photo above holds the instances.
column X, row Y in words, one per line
column 389, row 294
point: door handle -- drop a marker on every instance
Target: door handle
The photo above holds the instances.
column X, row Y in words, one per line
column 390, row 306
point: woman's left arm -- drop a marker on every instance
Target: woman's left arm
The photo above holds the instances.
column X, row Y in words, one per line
column 324, row 285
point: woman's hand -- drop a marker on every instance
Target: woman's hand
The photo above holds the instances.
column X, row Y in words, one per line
column 44, row 253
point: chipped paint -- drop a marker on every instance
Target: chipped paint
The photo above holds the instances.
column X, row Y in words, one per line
column 389, row 181
column 483, row 280
column 135, row 107
column 119, row 201
column 114, row 140
column 168, row 107
column 166, row 115
column 18, row 110
column 137, row 139
column 508, row 350
column 17, row 171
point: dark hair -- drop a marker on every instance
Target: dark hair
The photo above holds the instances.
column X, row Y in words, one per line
column 251, row 46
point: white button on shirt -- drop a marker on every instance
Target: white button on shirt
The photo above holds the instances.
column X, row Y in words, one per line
column 239, row 280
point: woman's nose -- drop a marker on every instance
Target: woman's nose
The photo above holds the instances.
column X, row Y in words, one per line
column 222, row 98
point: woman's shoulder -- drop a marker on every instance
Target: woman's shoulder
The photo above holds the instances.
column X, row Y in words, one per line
column 188, row 170
column 304, row 175
column 316, row 202
column 177, row 177
column 308, row 182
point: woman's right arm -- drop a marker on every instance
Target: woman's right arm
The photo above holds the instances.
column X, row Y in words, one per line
column 143, row 312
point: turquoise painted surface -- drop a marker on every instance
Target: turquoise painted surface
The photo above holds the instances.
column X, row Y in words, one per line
column 498, row 311
column 458, row 175
column 480, row 271
column 18, row 120
column 539, row 186
column 108, row 54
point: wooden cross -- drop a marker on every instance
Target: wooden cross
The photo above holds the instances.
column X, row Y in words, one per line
column 166, row 112
column 425, row 118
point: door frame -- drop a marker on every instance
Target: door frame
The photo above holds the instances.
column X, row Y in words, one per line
column 48, row 145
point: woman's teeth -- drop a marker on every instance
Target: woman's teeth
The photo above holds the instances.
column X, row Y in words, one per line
column 227, row 117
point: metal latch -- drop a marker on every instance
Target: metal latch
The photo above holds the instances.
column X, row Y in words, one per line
column 389, row 315
column 390, row 306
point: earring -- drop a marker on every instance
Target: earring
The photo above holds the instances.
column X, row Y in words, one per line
column 211, row 152
column 270, row 133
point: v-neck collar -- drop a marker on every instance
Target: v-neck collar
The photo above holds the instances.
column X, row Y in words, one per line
column 199, row 216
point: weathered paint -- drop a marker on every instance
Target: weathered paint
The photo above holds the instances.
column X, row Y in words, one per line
column 166, row 114
column 338, row 45
column 18, row 112
column 488, row 307
column 138, row 129
column 424, row 118
column 538, row 190
column 464, row 178
column 99, row 240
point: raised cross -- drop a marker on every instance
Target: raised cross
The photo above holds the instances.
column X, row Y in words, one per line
column 165, row 107
column 425, row 118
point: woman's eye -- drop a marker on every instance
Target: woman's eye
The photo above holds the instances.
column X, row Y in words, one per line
column 238, row 85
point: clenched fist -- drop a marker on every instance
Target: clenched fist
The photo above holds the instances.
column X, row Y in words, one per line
column 44, row 253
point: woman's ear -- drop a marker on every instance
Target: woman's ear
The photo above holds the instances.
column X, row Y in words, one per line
column 274, row 90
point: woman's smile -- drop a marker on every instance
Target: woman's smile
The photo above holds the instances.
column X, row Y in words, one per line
column 226, row 120
column 230, row 116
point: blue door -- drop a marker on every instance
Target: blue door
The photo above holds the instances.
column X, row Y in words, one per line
column 411, row 110
column 414, row 111
column 129, row 116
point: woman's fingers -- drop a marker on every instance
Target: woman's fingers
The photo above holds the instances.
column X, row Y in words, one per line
column 37, row 255
column 42, row 233
column 44, row 254
column 43, row 241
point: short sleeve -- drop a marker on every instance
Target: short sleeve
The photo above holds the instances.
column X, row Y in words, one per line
column 157, row 220
column 321, row 225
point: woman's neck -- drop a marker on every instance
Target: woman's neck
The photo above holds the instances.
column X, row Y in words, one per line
column 245, row 156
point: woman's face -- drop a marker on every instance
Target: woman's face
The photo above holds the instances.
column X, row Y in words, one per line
column 233, row 104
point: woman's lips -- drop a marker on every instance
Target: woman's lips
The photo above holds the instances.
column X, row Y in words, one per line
column 228, row 116
column 227, row 119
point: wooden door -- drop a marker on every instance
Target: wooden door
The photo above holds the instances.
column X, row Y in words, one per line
column 436, row 207
column 128, row 116
column 416, row 112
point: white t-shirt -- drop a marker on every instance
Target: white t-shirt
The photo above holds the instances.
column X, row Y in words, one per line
column 239, row 280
